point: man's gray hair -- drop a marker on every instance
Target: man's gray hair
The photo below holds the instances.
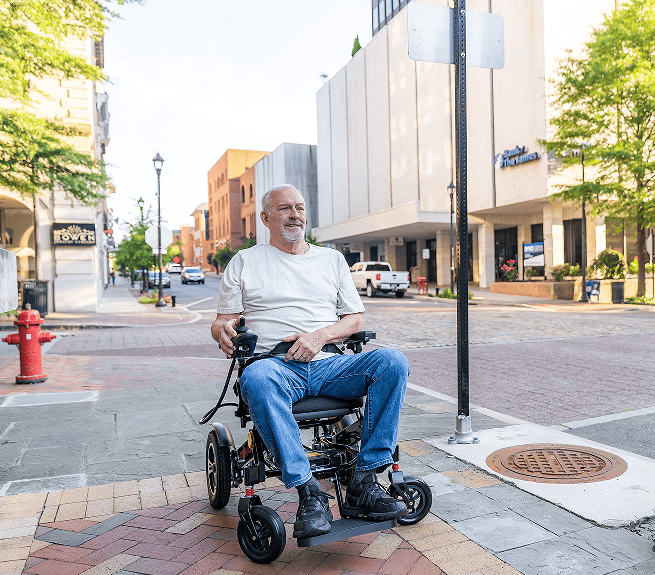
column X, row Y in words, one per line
column 265, row 204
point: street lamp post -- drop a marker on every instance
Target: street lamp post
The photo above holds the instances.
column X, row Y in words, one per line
column 584, row 298
column 158, row 161
column 451, row 188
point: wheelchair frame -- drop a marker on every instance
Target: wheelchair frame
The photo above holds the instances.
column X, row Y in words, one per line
column 332, row 455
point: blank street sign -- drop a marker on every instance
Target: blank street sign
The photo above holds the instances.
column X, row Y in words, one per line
column 430, row 35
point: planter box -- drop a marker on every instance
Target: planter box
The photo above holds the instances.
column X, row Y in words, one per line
column 546, row 290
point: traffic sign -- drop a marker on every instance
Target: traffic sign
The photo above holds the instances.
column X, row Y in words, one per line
column 649, row 245
column 166, row 238
column 431, row 37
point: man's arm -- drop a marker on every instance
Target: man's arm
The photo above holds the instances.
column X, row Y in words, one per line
column 309, row 344
column 223, row 331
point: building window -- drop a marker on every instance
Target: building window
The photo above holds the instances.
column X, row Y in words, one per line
column 573, row 241
column 506, row 248
column 251, row 191
column 537, row 233
column 243, row 227
column 395, row 6
column 411, row 255
column 376, row 25
column 243, row 194
column 388, row 11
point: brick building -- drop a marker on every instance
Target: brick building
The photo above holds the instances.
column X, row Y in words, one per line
column 201, row 245
column 186, row 237
column 224, row 192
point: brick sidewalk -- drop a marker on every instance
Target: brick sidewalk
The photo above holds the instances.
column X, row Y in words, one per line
column 164, row 526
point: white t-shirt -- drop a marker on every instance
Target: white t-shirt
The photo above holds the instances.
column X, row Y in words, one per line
column 281, row 294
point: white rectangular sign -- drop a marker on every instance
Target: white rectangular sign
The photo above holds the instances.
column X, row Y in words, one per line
column 430, row 36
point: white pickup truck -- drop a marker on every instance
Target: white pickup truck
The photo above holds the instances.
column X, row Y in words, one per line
column 378, row 277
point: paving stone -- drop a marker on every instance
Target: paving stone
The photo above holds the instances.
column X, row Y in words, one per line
column 150, row 485
column 558, row 557
column 157, row 567
column 150, row 523
column 472, row 478
column 190, row 523
column 62, row 553
column 464, row 505
column 416, row 447
column 502, row 531
column 153, row 499
column 463, row 558
column 181, row 495
column 109, row 524
column 100, row 541
column 382, row 546
column 96, row 492
column 68, row 511
column 99, row 507
column 123, row 488
column 73, row 495
column 65, row 537
column 619, row 544
column 50, row 567
column 107, row 552
column 77, row 525
column 127, row 503
column 551, row 517
column 155, row 551
column 441, row 484
column 109, row 566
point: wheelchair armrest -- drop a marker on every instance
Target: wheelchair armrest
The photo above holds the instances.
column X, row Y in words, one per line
column 356, row 340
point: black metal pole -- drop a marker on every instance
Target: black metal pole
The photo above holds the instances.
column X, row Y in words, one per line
column 160, row 301
column 463, row 433
column 584, row 298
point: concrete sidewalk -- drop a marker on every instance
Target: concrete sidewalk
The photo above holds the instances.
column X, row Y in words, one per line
column 118, row 307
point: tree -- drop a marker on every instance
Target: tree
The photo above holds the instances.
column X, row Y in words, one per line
column 133, row 252
column 606, row 100
column 35, row 155
column 356, row 46
column 224, row 255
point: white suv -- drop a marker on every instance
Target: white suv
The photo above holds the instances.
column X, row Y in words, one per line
column 173, row 268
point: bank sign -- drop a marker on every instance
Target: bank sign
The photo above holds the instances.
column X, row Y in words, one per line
column 533, row 255
column 515, row 157
column 73, row 234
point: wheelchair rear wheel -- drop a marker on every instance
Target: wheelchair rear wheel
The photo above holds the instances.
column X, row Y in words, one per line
column 219, row 472
column 269, row 539
column 421, row 495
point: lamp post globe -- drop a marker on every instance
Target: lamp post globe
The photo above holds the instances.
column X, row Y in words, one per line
column 158, row 161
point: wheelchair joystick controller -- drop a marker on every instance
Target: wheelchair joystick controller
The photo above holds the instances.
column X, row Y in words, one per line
column 244, row 342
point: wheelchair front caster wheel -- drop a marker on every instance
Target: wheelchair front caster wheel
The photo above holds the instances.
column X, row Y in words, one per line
column 420, row 495
column 267, row 543
column 219, row 472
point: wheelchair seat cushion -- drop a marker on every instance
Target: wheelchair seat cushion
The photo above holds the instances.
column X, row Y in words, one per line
column 314, row 407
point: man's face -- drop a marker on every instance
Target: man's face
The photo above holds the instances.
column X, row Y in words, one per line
column 287, row 218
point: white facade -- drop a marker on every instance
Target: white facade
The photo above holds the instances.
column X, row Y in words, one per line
column 288, row 164
column 76, row 275
column 386, row 144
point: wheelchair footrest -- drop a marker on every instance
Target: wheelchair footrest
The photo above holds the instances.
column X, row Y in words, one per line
column 344, row 528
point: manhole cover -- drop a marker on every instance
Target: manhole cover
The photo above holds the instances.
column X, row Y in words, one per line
column 555, row 463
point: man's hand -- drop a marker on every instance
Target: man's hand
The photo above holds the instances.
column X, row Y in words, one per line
column 223, row 331
column 307, row 345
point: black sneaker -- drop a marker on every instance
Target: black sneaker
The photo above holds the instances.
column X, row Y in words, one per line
column 314, row 515
column 368, row 499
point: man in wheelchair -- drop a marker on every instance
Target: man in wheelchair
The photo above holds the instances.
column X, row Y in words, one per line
column 301, row 298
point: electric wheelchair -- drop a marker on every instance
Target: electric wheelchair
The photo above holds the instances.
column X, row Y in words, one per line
column 336, row 425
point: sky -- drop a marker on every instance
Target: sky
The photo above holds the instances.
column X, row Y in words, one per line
column 191, row 79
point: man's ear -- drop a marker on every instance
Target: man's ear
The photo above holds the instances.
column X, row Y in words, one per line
column 264, row 216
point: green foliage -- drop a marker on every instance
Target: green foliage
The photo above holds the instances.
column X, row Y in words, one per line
column 530, row 272
column 510, row 270
column 356, row 46
column 247, row 243
column 633, row 267
column 133, row 252
column 310, row 239
column 172, row 251
column 609, row 264
column 35, row 155
column 575, row 270
column 606, row 99
column 641, row 300
column 224, row 255
column 558, row 272
column 152, row 297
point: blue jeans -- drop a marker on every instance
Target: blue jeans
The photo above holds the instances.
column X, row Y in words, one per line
column 270, row 387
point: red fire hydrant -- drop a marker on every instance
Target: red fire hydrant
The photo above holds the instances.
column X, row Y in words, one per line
column 29, row 340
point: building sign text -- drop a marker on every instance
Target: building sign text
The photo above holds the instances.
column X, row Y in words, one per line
column 519, row 155
column 73, row 234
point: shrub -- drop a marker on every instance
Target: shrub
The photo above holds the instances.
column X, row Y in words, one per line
column 531, row 272
column 558, row 272
column 575, row 270
column 609, row 264
column 510, row 270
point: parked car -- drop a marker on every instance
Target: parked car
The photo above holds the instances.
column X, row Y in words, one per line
column 153, row 280
column 193, row 275
column 173, row 268
column 378, row 277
